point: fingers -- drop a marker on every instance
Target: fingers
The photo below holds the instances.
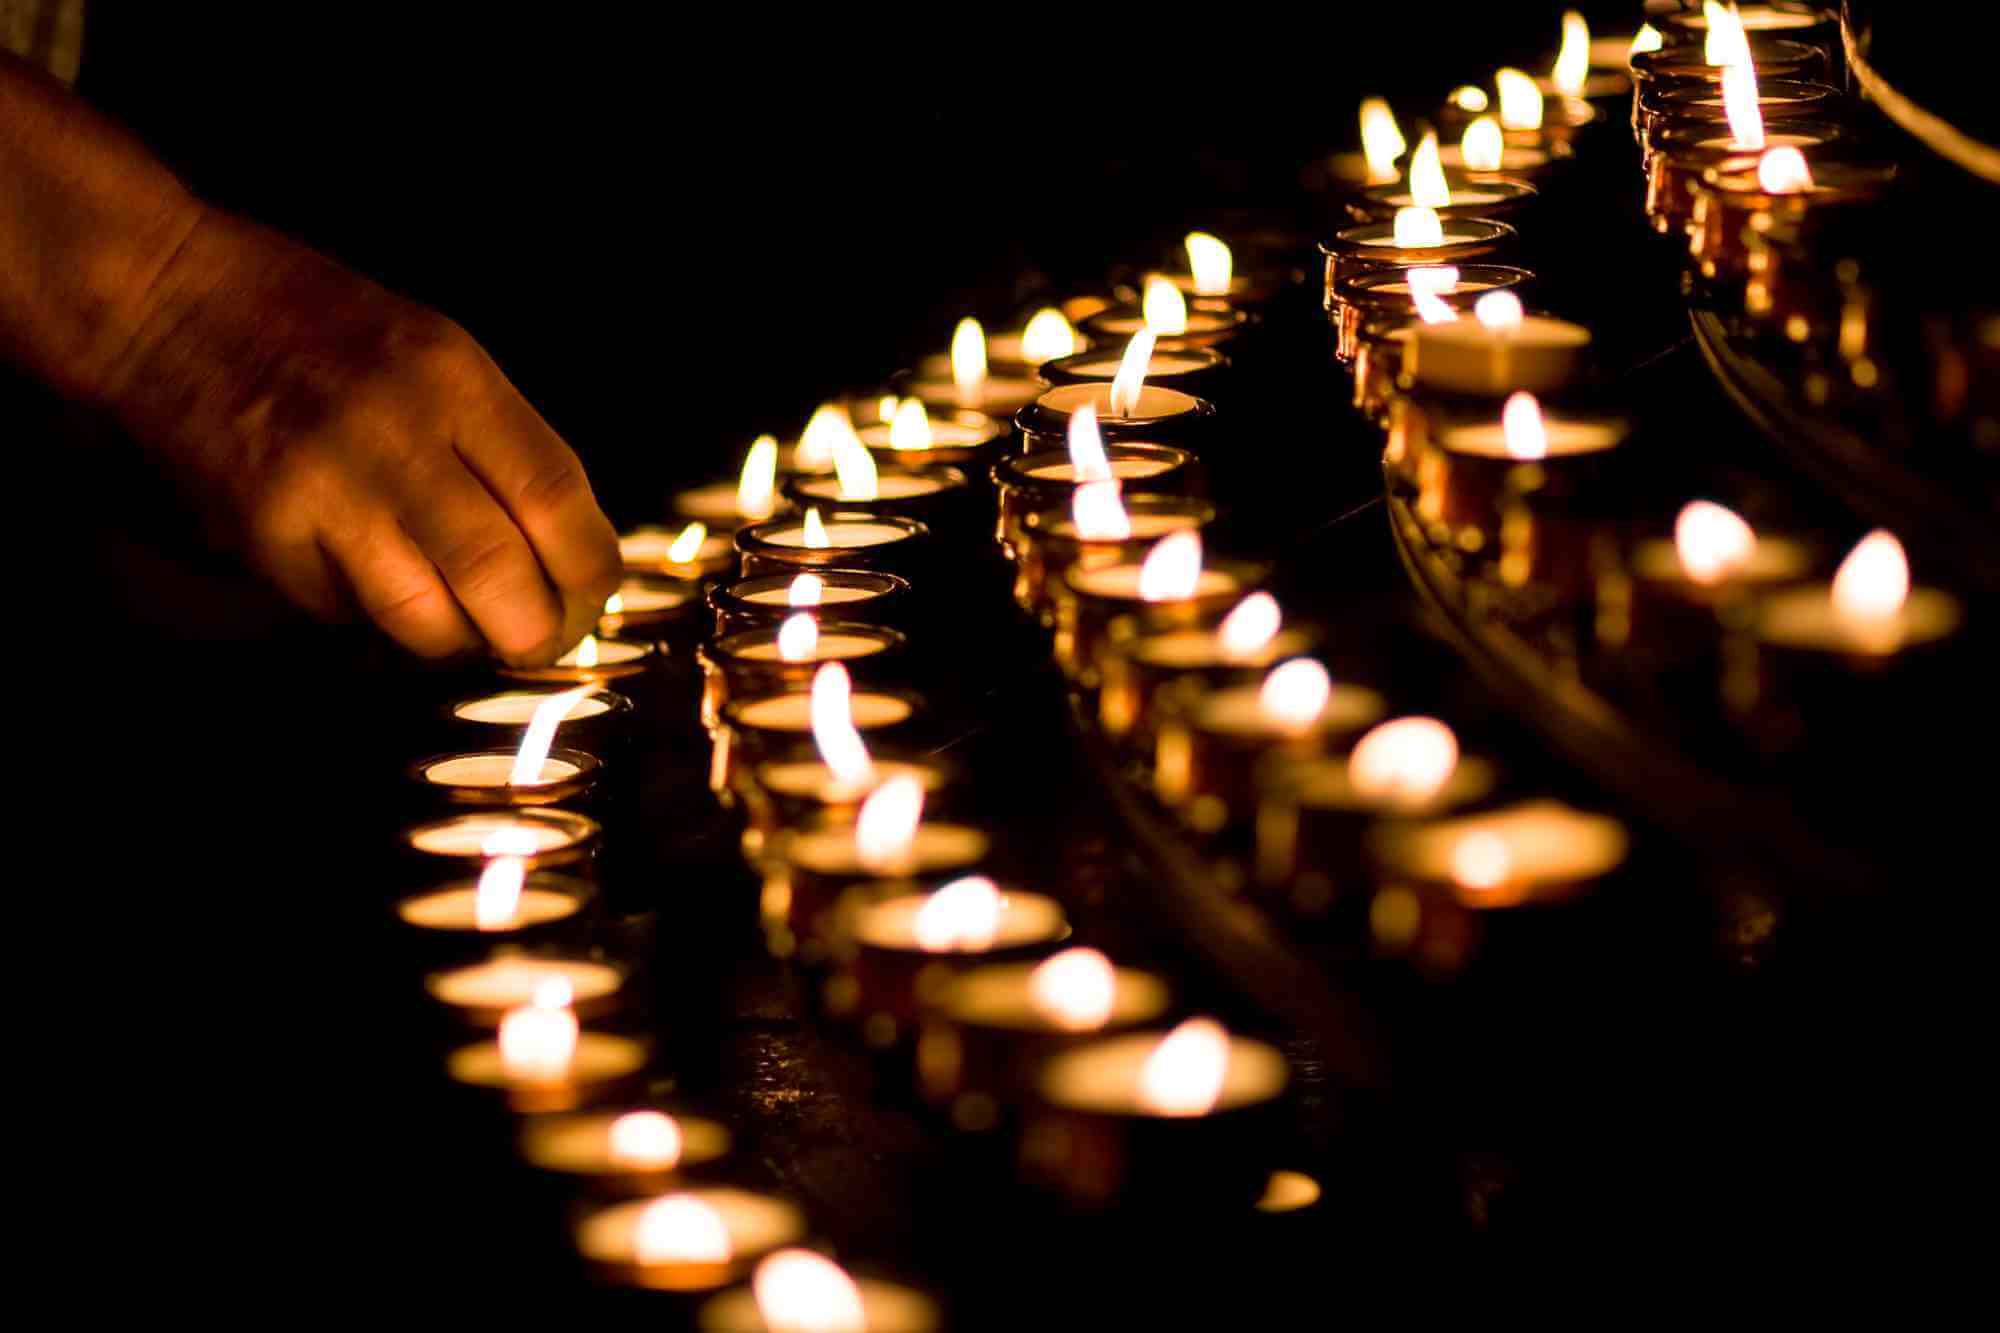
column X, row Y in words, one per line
column 485, row 562
column 396, row 585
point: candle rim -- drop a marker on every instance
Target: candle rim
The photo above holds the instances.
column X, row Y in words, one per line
column 585, row 763
column 1258, row 1058
column 437, row 984
column 730, row 645
column 703, row 1140
column 616, row 704
column 580, row 828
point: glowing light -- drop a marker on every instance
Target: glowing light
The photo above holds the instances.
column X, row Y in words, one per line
column 910, row 428
column 1164, row 307
column 1712, row 542
column 854, row 468
column 1250, row 626
column 834, row 733
column 757, row 487
column 1648, row 38
column 1086, row 446
column 1426, row 288
column 540, row 734
column 1872, row 584
column 1499, row 311
column 1130, row 380
column 1483, row 147
column 1521, row 426
column 614, row 605
column 1784, row 171
column 1404, row 762
column 538, row 1040
column 510, row 841
column 1098, row 511
column 497, row 901
column 1382, row 141
column 583, row 655
column 1183, row 1076
column 1427, row 183
column 886, row 829
column 687, row 546
column 1295, row 693
column 1469, row 97
column 1418, row 227
column 805, row 590
column 1172, row 569
column 828, row 426
column 798, row 1291
column 815, row 531
column 961, row 917
column 1726, row 43
column 645, row 1139
column 1739, row 103
column 968, row 359
column 1481, row 861
column 680, row 1229
column 1076, row 989
column 798, row 638
column 885, row 407
column 1047, row 337
column 1572, row 65
column 1520, row 100
column 1211, row 263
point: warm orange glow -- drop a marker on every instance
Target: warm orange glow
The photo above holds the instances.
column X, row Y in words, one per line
column 798, row 638
column 886, row 829
column 1427, row 184
column 1483, row 146
column 1132, row 368
column 829, row 425
column 910, row 427
column 510, row 841
column 687, row 546
column 1086, row 446
column 798, row 1291
column 1784, row 171
column 757, row 488
column 1382, row 141
column 854, row 468
column 840, row 745
column 1739, row 103
column 1481, row 861
column 680, row 1229
column 961, row 917
column 1520, row 100
column 1183, row 1076
column 885, row 407
column 1872, row 584
column 538, row 1040
column 1047, row 337
column 1403, row 762
column 1498, row 311
column 1211, row 263
column 583, row 655
column 815, row 531
column 1098, row 511
column 1075, row 990
column 1521, row 425
column 1726, row 42
column 1164, row 307
column 1250, row 626
column 1417, row 227
column 1426, row 286
column 1712, row 542
column 968, row 358
column 1648, row 38
column 805, row 590
column 1172, row 569
column 540, row 734
column 614, row 605
column 1572, row 65
column 645, row 1139
column 497, row 902
column 1469, row 97
column 1295, row 693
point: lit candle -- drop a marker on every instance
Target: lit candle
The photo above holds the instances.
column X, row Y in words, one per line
column 1482, row 150
column 1497, row 351
column 1126, row 408
column 969, row 382
column 1199, row 372
column 542, row 837
column 1660, row 71
column 1045, row 478
column 543, row 1061
column 727, row 505
column 1172, row 586
column 1869, row 612
column 594, row 720
column 1805, row 23
column 756, row 662
column 1576, row 71
column 595, row 658
column 1417, row 236
column 482, row 993
column 754, row 728
column 644, row 605
column 913, row 437
column 531, row 774
column 1374, row 309
column 766, row 601
column 690, row 552
column 936, row 495
column 1476, row 469
column 639, row 1150
column 832, row 539
column 1429, row 186
column 797, row 1291
column 1164, row 313
column 1098, row 525
column 1214, row 279
column 688, row 1240
column 1532, row 853
column 1738, row 200
column 1135, row 665
column 505, row 901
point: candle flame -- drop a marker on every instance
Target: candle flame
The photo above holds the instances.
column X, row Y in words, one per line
column 1499, row 311
column 1483, row 147
column 886, row 829
column 834, row 733
column 538, row 1039
column 1404, row 762
column 1183, row 1075
column 1075, row 989
column 798, row 1291
column 1872, row 584
column 1098, row 511
column 1521, row 425
column 805, row 590
column 1469, row 97
column 815, row 531
column 1211, row 263
column 1426, row 288
column 1418, row 227
column 1295, row 693
column 496, row 904
column 1172, row 569
column 583, row 655
column 798, row 638
column 1164, row 307
column 1784, row 171
column 1740, row 104
column 512, row 840
column 541, row 731
column 680, row 1229
column 688, row 545
column 614, row 605
column 854, row 469
column 1712, row 542
column 1427, row 183
column 1648, row 38
column 1726, row 43
column 1520, row 100
column 1250, row 626
column 1481, row 861
column 961, row 917
column 1382, row 141
column 1132, row 367
column 1572, row 65
column 910, row 427
column 1086, row 446
column 828, row 426
column 757, row 488
column 1047, row 337
column 645, row 1139
column 968, row 359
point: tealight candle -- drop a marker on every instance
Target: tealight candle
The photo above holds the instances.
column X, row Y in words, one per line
column 504, row 902
column 1736, row 198
column 796, row 1291
column 647, row 606
column 542, row 1061
column 1215, row 280
column 1469, row 195
column 1135, row 664
column 1576, row 71
column 1533, row 853
column 1195, row 371
column 691, row 552
column 834, row 539
column 1402, row 243
column 757, row 727
column 593, row 721
column 1154, row 412
column 1371, row 309
column 1499, row 350
column 799, row 789
column 766, row 601
column 899, row 947
column 1803, row 22
column 591, row 660
column 1868, row 613
column 1049, row 478
column 963, row 379
column 940, row 497
column 1170, row 587
column 1047, row 335
column 1655, row 73
column 541, row 837
column 481, row 993
column 1693, row 106
column 1466, row 481
column 488, row 777
column 1047, row 543
column 688, row 1240
column 770, row 661
column 1200, row 327
column 724, row 506
column 633, row 1150
column 970, row 441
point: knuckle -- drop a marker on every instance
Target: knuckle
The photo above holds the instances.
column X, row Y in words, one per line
column 553, row 486
column 437, row 348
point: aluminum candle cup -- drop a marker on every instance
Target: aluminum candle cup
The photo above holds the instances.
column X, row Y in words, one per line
column 811, row 871
column 1467, row 478
column 758, row 727
column 1207, row 326
column 1210, row 743
column 595, row 724
column 941, row 498
column 1201, row 372
column 596, row 659
column 480, row 993
column 985, row 1031
column 1372, row 247
column 484, row 778
column 855, row 596
column 544, row 838
column 688, row 1240
column 1135, row 664
column 1540, row 355
column 1163, row 415
column 1374, row 317
column 649, row 551
column 796, row 790
column 1087, row 601
column 1694, row 116
column 1046, row 479
column 1796, row 22
column 968, row 441
column 750, row 662
column 1730, row 204
column 651, row 607
column 623, row 1149
column 1046, row 544
column 855, row 540
column 1473, row 195
column 444, row 920
column 1655, row 73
